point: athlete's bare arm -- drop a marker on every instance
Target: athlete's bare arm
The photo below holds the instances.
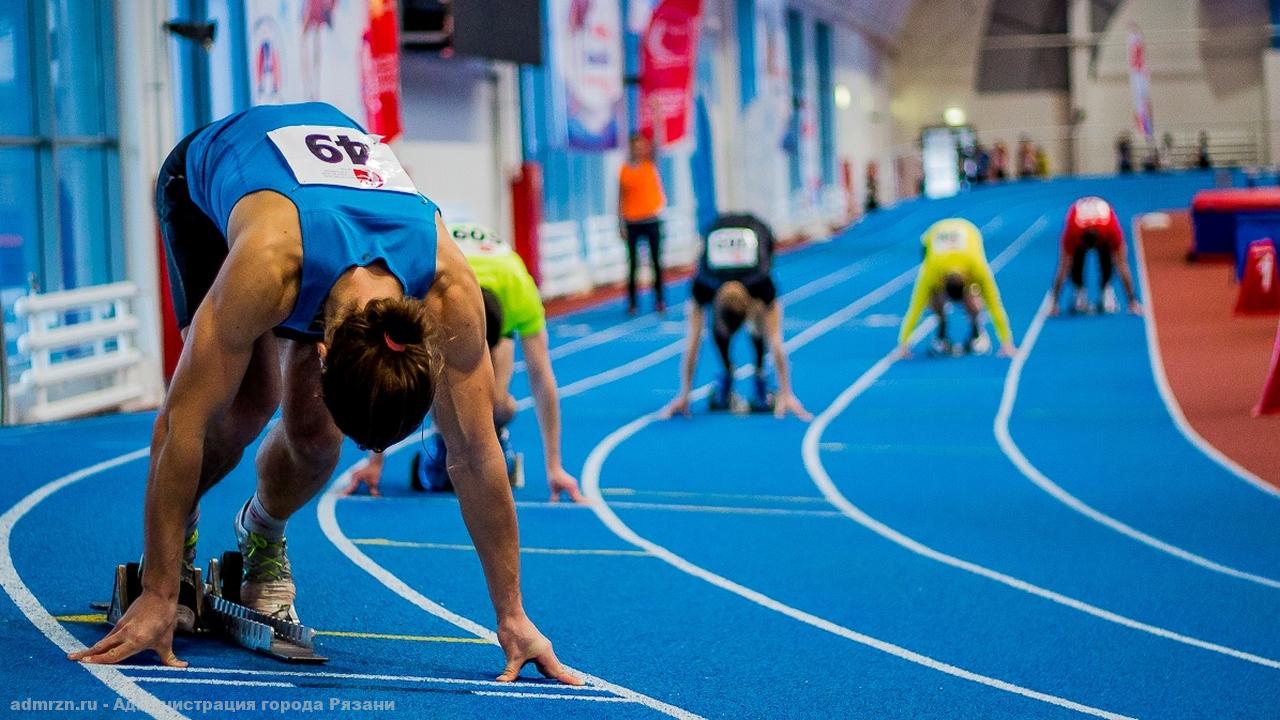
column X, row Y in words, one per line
column 1059, row 277
column 689, row 363
column 546, row 397
column 463, row 413
column 1121, row 261
column 252, row 294
column 786, row 402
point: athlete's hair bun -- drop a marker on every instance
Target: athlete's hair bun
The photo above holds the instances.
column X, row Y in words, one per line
column 402, row 320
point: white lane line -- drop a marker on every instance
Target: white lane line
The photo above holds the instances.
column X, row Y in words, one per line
column 326, row 508
column 550, row 696
column 632, row 492
column 813, row 464
column 213, row 681
column 381, row 542
column 1166, row 391
column 1010, row 448
column 723, row 509
column 327, row 515
column 591, row 474
column 325, row 675
column 26, row 601
column 599, row 337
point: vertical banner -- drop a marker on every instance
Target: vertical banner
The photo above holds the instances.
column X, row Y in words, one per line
column 303, row 50
column 587, row 35
column 668, row 51
column 380, row 76
column 1140, row 83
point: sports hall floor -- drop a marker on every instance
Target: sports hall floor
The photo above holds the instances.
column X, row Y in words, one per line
column 961, row 538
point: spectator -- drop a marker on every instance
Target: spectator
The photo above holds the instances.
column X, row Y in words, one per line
column 1026, row 158
column 1000, row 161
column 641, row 201
column 1042, row 162
column 1166, row 151
column 1203, row 161
column 983, row 164
column 1124, row 154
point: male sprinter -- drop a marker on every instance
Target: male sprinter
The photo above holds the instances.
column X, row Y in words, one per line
column 1092, row 225
column 734, row 275
column 955, row 269
column 310, row 275
column 512, row 306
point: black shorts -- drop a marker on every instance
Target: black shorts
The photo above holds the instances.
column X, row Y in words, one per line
column 194, row 247
column 760, row 287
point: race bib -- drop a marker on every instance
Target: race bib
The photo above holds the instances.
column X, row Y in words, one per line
column 340, row 156
column 1092, row 211
column 733, row 249
column 477, row 240
column 948, row 241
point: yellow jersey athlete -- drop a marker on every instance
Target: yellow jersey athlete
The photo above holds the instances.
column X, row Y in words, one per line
column 512, row 307
column 955, row 269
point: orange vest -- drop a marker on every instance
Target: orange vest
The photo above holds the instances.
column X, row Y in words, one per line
column 640, row 195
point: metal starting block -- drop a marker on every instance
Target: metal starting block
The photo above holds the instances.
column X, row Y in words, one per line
column 215, row 601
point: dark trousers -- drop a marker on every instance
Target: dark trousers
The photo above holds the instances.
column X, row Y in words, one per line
column 1105, row 265
column 651, row 232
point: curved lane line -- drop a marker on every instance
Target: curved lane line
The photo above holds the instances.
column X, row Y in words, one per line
column 1011, row 450
column 1166, row 391
column 108, row 675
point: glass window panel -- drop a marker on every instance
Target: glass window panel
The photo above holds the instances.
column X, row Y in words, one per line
column 86, row 222
column 78, row 63
column 16, row 92
column 19, row 240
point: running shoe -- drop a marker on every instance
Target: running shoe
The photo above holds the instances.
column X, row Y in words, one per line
column 186, row 613
column 1081, row 304
column 980, row 345
column 940, row 347
column 267, row 585
column 508, row 452
column 1108, row 304
column 429, row 469
column 762, row 397
column 722, row 394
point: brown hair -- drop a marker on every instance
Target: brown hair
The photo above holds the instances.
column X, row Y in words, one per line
column 379, row 374
column 732, row 304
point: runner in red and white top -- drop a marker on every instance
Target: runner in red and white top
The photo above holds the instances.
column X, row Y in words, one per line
column 1092, row 225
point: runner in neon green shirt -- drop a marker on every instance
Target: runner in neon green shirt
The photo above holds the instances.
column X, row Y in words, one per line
column 955, row 269
column 512, row 307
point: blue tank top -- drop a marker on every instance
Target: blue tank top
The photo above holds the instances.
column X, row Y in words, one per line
column 343, row 226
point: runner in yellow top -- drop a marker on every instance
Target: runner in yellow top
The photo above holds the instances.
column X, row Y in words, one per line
column 512, row 307
column 955, row 269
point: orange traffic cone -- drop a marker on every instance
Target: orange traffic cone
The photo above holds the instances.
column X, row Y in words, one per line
column 1260, row 289
column 1270, row 402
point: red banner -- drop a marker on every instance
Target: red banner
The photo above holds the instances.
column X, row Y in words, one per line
column 668, row 51
column 380, row 75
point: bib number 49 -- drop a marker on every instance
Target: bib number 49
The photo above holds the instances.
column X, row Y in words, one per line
column 340, row 156
column 320, row 145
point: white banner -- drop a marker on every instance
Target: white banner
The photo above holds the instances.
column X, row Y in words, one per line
column 304, row 50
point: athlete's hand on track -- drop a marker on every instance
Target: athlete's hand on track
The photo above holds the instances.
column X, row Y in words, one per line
column 367, row 474
column 562, row 482
column 1054, row 311
column 148, row 624
column 904, row 352
column 1008, row 350
column 523, row 644
column 679, row 406
column 1135, row 307
column 789, row 403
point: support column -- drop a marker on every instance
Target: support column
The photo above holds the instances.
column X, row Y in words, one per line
column 1080, row 32
column 1271, row 90
column 146, row 134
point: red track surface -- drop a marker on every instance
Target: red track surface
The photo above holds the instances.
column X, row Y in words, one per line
column 1216, row 362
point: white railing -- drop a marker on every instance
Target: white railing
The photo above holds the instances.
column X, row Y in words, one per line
column 84, row 353
column 561, row 262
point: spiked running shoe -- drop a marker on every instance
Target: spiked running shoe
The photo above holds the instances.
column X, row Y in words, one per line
column 267, row 585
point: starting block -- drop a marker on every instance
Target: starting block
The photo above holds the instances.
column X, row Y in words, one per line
column 215, row 600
